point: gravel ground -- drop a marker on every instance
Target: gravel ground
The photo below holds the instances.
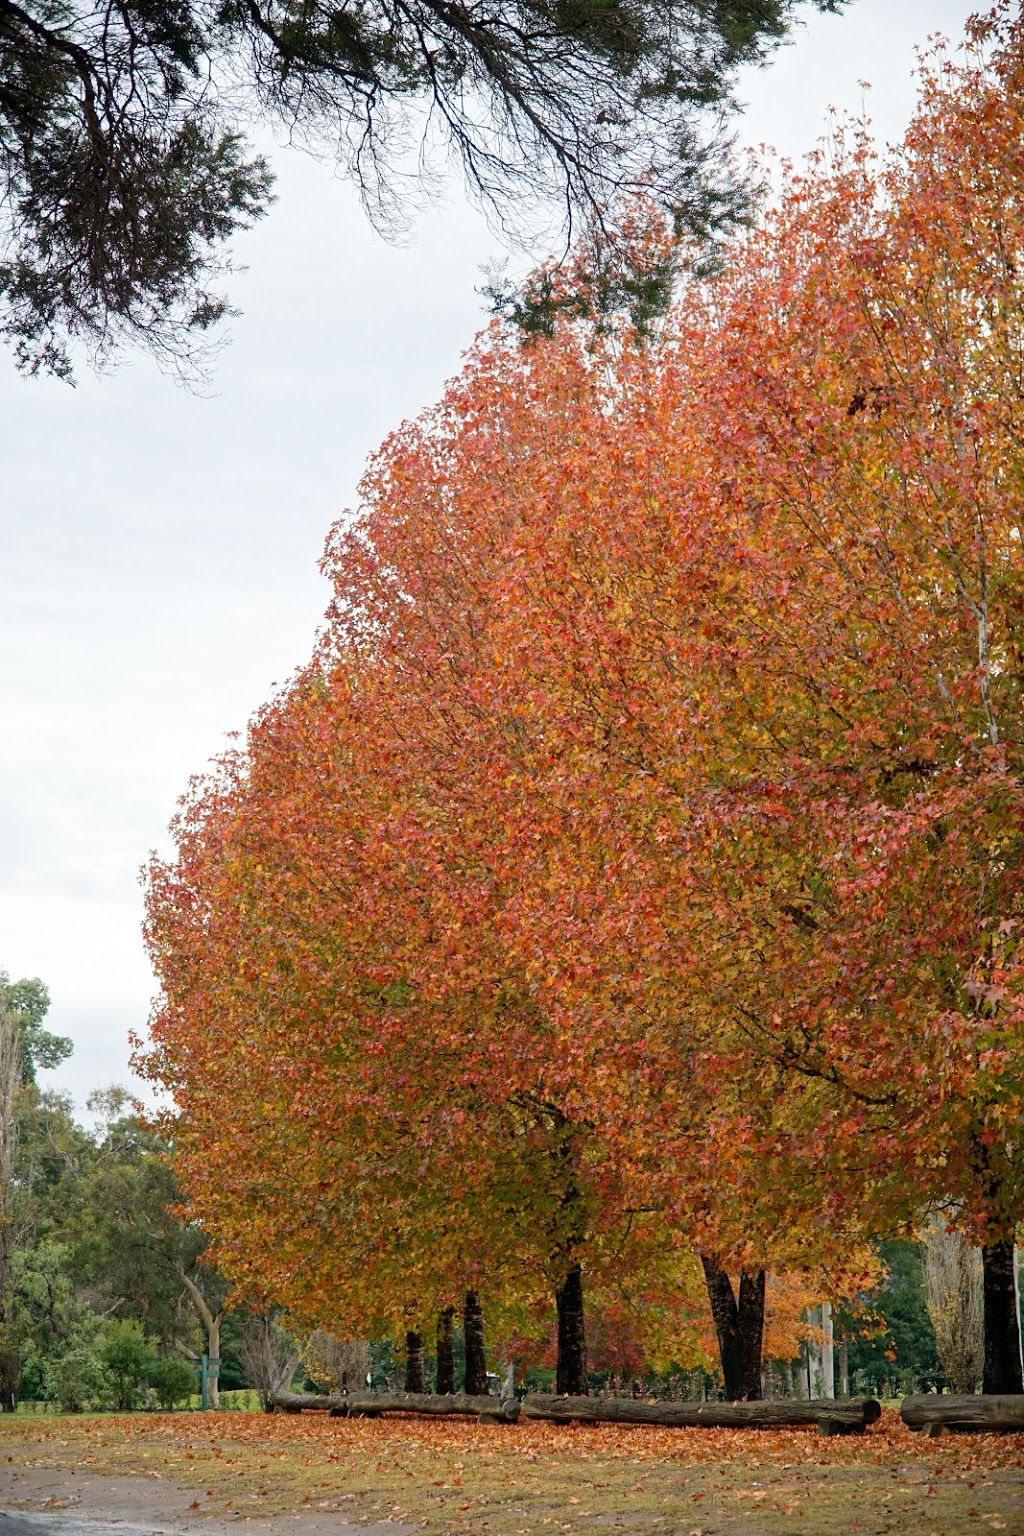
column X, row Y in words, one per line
column 46, row 1501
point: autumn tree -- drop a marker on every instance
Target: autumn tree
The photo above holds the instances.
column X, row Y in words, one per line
column 863, row 449
column 650, row 807
column 389, row 857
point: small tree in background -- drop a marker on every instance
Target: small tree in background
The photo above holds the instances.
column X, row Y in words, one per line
column 334, row 1364
column 269, row 1358
column 953, row 1285
column 75, row 1380
column 173, row 1381
column 126, row 1358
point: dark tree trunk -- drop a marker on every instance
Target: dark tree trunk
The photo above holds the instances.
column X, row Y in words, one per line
column 740, row 1328
column 10, row 1379
column 445, row 1352
column 473, row 1332
column 414, row 1362
column 1002, row 1373
column 571, row 1375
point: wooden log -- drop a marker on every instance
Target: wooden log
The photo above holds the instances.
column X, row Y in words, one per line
column 369, row 1405
column 294, row 1402
column 841, row 1415
column 936, row 1411
column 496, row 1409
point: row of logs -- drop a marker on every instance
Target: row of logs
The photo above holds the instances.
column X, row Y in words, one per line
column 931, row 1413
column 849, row 1416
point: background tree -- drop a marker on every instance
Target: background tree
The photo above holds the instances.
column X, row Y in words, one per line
column 125, row 172
column 953, row 1287
column 269, row 1358
column 25, row 1046
column 28, row 1001
column 130, row 1236
column 10, row 1083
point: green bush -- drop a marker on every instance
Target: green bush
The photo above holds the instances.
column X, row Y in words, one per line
column 173, row 1380
column 74, row 1380
column 126, row 1357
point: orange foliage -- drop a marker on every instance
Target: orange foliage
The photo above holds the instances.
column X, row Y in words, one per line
column 637, row 867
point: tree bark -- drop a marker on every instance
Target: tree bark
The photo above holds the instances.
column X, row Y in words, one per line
column 211, row 1322
column 445, row 1352
column 828, row 1355
column 370, row 1405
column 1002, row 1372
column 739, row 1325
column 414, row 1362
column 571, row 1372
column 950, row 1410
column 473, row 1333
column 852, row 1414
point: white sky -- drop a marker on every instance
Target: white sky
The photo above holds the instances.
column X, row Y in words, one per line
column 158, row 552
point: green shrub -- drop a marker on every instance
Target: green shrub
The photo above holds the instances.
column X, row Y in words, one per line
column 173, row 1380
column 127, row 1357
column 74, row 1380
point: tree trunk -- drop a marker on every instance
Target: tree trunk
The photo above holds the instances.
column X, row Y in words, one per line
column 828, row 1355
column 571, row 1374
column 473, row 1332
column 844, row 1367
column 445, row 1352
column 213, row 1353
column 414, row 1362
column 740, row 1328
column 1002, row 1372
column 211, row 1322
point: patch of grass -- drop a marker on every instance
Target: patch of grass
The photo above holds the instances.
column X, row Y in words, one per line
column 453, row 1478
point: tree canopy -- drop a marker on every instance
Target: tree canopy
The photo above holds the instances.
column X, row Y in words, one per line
column 28, row 1002
column 650, row 811
column 125, row 169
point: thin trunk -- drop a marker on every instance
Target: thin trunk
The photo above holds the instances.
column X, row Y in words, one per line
column 213, row 1354
column 473, row 1332
column 211, row 1322
column 571, row 1373
column 414, row 1362
column 445, row 1353
column 844, row 1367
column 828, row 1357
column 739, row 1325
column 1002, row 1369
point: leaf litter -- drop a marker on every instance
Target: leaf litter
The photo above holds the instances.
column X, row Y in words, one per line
column 455, row 1478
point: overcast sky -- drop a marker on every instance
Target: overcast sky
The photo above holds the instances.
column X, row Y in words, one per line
column 158, row 551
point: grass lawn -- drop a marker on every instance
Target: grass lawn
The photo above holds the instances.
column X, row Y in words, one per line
column 456, row 1478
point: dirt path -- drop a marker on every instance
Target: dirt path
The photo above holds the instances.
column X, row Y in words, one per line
column 53, row 1501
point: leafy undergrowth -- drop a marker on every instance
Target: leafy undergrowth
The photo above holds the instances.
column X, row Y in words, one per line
column 451, row 1476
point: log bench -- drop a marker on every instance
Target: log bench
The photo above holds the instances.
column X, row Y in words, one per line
column 936, row 1412
column 370, row 1405
column 832, row 1416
